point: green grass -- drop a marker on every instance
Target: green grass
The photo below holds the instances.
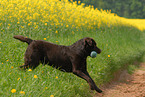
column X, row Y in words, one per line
column 131, row 68
column 123, row 44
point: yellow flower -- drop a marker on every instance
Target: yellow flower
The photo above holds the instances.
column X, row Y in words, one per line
column 30, row 70
column 56, row 77
column 0, row 42
column 2, row 63
column 56, row 41
column 45, row 24
column 51, row 95
column 42, row 71
column 108, row 55
column 7, row 60
column 13, row 90
column 29, row 24
column 12, row 67
column 18, row 79
column 66, row 25
column 44, row 38
column 79, row 2
column 35, row 76
column 56, row 32
column 34, row 23
column 22, row 92
column 46, row 87
column 36, row 26
column 22, row 26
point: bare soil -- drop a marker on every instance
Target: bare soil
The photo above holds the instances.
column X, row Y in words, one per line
column 126, row 85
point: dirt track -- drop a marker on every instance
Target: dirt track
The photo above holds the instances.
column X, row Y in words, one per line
column 127, row 85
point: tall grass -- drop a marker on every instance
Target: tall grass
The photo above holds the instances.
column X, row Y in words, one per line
column 63, row 23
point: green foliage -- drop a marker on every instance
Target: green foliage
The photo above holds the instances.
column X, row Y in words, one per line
column 131, row 69
column 124, row 8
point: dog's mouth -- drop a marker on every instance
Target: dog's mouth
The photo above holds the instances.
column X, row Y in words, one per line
column 98, row 50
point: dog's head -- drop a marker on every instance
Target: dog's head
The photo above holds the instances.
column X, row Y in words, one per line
column 90, row 45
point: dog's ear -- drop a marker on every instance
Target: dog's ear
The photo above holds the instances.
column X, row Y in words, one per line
column 88, row 41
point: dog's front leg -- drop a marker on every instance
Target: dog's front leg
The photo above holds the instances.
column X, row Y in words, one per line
column 87, row 77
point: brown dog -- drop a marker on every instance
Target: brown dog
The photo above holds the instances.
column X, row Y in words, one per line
column 66, row 58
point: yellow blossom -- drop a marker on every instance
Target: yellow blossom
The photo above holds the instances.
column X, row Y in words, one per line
column 0, row 42
column 22, row 92
column 67, row 26
column 29, row 24
column 34, row 23
column 108, row 55
column 51, row 95
column 44, row 38
column 18, row 79
column 35, row 76
column 79, row 2
column 13, row 90
column 12, row 67
column 56, row 32
column 30, row 70
column 36, row 26
column 56, row 77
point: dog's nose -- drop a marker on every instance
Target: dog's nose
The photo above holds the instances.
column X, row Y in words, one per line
column 99, row 51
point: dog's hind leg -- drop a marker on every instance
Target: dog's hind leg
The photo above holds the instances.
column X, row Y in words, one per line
column 24, row 66
column 32, row 60
column 35, row 60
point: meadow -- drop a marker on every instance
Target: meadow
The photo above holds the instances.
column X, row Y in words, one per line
column 63, row 23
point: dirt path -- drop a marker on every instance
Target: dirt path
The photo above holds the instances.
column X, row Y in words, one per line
column 127, row 85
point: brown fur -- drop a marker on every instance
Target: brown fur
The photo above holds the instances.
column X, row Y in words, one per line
column 66, row 58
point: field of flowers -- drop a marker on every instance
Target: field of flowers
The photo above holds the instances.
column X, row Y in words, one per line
column 57, row 13
column 63, row 22
column 139, row 23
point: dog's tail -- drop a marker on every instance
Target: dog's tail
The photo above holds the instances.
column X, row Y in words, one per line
column 23, row 39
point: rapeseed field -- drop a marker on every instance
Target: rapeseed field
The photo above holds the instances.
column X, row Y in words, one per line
column 58, row 13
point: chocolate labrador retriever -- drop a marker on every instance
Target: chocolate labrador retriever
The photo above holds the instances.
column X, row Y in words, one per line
column 66, row 58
